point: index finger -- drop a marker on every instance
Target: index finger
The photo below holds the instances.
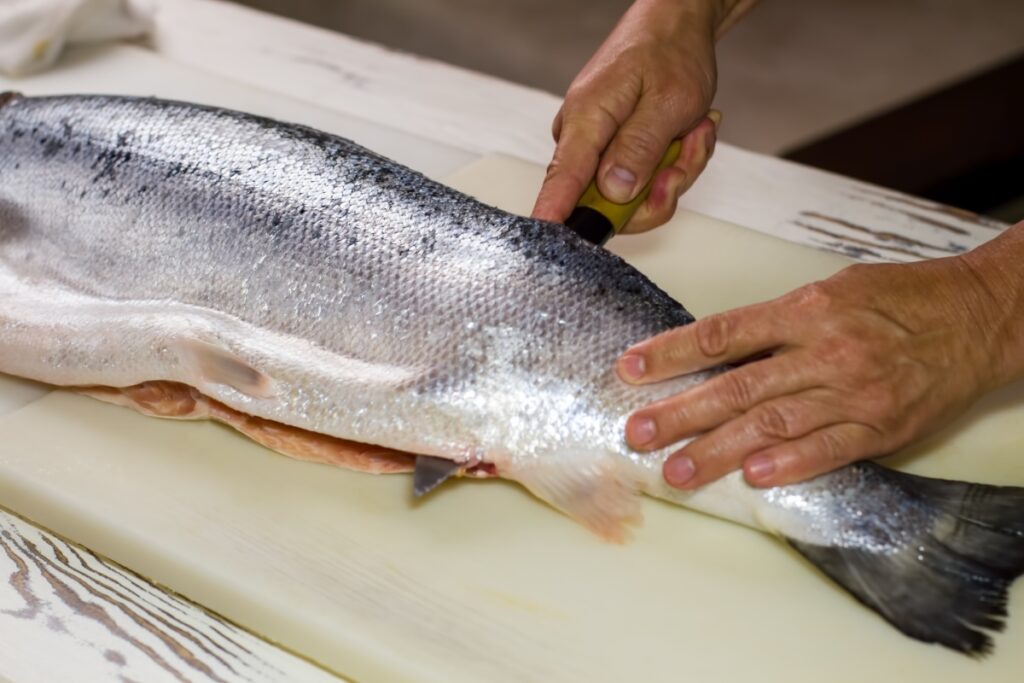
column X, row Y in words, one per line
column 717, row 339
column 581, row 141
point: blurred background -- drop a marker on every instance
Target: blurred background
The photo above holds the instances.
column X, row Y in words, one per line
column 925, row 96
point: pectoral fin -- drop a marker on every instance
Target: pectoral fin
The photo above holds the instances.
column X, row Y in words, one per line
column 600, row 493
column 213, row 364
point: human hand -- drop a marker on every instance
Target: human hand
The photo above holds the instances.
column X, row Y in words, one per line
column 651, row 82
column 859, row 365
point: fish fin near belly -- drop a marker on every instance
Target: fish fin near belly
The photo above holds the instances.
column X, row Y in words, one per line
column 214, row 364
column 600, row 493
column 156, row 399
column 950, row 585
column 182, row 402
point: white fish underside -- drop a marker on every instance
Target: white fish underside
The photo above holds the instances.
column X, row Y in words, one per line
column 296, row 277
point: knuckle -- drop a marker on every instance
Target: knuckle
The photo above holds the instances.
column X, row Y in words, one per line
column 879, row 397
column 684, row 182
column 638, row 144
column 813, row 298
column 672, row 350
column 659, row 214
column 556, row 125
column 554, row 168
column 850, row 355
column 676, row 419
column 858, row 271
column 588, row 130
column 890, row 426
column 576, row 95
column 581, row 118
column 713, row 335
column 668, row 97
column 833, row 448
column 585, row 115
column 561, row 170
column 775, row 421
column 837, row 352
column 882, row 410
column 737, row 391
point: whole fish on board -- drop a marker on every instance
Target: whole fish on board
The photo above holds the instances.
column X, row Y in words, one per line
column 193, row 262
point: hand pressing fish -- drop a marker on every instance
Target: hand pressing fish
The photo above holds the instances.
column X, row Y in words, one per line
column 198, row 263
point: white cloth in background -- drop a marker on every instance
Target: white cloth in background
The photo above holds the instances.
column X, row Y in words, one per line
column 34, row 32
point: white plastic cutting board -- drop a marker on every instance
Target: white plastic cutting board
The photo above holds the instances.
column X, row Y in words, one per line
column 481, row 582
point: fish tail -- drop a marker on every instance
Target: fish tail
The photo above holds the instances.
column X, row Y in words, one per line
column 949, row 585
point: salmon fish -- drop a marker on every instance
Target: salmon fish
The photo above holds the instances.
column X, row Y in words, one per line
column 199, row 263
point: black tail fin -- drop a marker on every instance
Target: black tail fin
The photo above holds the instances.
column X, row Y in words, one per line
column 950, row 585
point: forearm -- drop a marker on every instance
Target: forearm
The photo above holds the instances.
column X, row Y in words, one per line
column 998, row 267
column 729, row 12
column 711, row 17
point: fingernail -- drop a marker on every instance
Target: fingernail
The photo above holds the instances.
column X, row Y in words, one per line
column 633, row 366
column 642, row 431
column 716, row 117
column 619, row 184
column 759, row 467
column 678, row 471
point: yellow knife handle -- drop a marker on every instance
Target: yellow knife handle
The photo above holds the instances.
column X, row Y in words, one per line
column 597, row 219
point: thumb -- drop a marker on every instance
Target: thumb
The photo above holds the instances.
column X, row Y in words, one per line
column 634, row 153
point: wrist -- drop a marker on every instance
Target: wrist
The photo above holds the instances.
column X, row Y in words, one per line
column 681, row 19
column 996, row 269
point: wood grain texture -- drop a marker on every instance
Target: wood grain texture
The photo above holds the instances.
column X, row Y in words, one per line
column 486, row 115
column 68, row 615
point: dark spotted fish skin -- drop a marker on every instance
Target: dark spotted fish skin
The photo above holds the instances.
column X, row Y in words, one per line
column 298, row 277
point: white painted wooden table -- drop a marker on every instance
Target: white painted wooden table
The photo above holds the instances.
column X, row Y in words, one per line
column 63, row 609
